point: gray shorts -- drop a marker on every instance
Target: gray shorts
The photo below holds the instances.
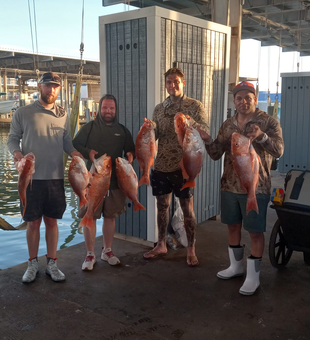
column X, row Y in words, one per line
column 113, row 205
column 45, row 197
column 233, row 211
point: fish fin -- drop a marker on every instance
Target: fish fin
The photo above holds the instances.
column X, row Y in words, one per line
column 24, row 210
column 259, row 160
column 83, row 201
column 190, row 184
column 184, row 173
column 251, row 204
column 145, row 179
column 138, row 206
column 86, row 222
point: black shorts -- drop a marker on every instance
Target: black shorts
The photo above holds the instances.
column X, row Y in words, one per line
column 166, row 182
column 45, row 197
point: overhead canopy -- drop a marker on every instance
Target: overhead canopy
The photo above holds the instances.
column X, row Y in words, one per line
column 284, row 23
column 22, row 63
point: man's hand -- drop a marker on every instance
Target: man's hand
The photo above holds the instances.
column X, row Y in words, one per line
column 76, row 153
column 129, row 157
column 203, row 134
column 255, row 133
column 92, row 155
column 17, row 156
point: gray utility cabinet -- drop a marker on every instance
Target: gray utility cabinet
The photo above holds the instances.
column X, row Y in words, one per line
column 136, row 49
column 295, row 121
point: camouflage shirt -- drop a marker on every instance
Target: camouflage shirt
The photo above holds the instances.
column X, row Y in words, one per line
column 169, row 150
column 273, row 146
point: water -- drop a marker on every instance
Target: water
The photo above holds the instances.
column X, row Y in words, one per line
column 13, row 244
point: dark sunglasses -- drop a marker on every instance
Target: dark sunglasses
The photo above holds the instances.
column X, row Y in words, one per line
column 50, row 78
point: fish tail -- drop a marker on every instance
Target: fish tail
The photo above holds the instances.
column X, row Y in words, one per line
column 24, row 203
column 145, row 179
column 251, row 204
column 86, row 222
column 138, row 206
column 190, row 184
column 24, row 210
column 83, row 201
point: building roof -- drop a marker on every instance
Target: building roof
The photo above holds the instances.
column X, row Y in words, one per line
column 284, row 23
column 16, row 63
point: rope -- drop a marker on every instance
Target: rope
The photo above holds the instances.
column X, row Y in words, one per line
column 34, row 60
column 82, row 39
column 35, row 24
column 258, row 70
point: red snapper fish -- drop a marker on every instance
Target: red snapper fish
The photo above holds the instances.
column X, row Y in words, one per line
column 79, row 178
column 193, row 153
column 25, row 167
column 181, row 122
column 145, row 150
column 98, row 188
column 246, row 164
column 128, row 181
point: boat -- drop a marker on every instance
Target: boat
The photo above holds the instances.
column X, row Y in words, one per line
column 7, row 105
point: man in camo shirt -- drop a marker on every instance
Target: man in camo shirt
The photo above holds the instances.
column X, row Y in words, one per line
column 266, row 135
column 167, row 175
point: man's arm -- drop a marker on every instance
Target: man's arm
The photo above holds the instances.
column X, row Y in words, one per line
column 216, row 148
column 15, row 135
column 80, row 141
column 155, row 123
column 199, row 118
column 67, row 141
column 271, row 140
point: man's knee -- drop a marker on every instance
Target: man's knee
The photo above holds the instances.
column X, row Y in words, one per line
column 257, row 237
column 163, row 202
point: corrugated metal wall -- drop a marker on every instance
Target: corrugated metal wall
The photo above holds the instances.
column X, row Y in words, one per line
column 126, row 80
column 200, row 53
column 295, row 122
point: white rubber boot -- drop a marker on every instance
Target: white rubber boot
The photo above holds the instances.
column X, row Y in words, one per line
column 236, row 265
column 251, row 282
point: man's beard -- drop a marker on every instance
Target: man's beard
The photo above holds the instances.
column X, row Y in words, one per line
column 48, row 99
column 108, row 119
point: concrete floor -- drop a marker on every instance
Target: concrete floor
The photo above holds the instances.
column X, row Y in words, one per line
column 158, row 299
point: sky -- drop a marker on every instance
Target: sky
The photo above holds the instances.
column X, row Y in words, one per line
column 58, row 26
column 59, row 32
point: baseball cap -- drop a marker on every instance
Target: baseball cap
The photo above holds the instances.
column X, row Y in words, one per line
column 50, row 78
column 244, row 85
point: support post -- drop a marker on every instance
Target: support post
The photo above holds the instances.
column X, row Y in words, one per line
column 229, row 12
column 61, row 92
column 4, row 85
column 66, row 92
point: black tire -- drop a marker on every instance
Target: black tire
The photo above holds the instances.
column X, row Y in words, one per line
column 279, row 252
column 307, row 258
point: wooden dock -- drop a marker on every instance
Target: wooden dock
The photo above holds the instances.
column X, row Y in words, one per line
column 5, row 122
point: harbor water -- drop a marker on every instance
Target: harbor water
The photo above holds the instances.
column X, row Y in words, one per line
column 13, row 244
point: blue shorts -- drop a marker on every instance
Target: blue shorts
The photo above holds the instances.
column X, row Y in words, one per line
column 164, row 183
column 45, row 197
column 233, row 211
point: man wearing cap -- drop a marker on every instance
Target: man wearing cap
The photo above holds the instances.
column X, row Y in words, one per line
column 43, row 128
column 266, row 135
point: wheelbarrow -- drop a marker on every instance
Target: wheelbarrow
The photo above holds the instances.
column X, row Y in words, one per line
column 291, row 232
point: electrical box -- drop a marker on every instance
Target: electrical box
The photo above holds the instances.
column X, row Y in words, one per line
column 136, row 49
column 295, row 121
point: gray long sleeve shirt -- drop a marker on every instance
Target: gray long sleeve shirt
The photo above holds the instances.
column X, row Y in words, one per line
column 45, row 133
